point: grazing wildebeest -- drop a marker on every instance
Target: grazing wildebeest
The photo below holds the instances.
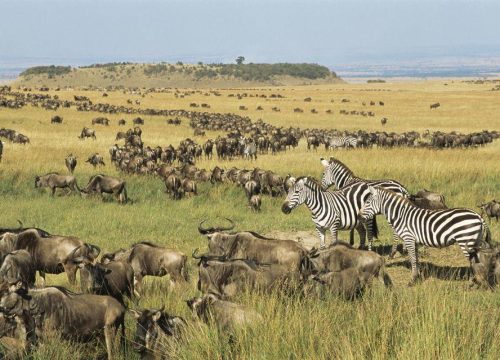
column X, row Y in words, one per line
column 101, row 184
column 383, row 121
column 217, row 175
column 348, row 284
column 189, row 187
column 87, row 133
column 54, row 181
column 173, row 184
column 226, row 315
column 252, row 188
column 18, row 266
column 100, row 120
column 426, row 199
column 435, row 105
column 70, row 162
column 341, row 256
column 256, row 203
column 53, row 254
column 95, row 160
column 17, row 335
column 122, row 122
column 115, row 278
column 233, row 277
column 155, row 329
column 491, row 209
column 148, row 259
column 138, row 121
column 56, row 119
column 252, row 246
column 75, row 316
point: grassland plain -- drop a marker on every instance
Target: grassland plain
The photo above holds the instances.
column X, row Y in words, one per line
column 438, row 318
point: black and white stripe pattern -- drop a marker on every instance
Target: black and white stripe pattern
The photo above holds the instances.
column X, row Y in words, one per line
column 342, row 142
column 332, row 210
column 434, row 228
column 338, row 174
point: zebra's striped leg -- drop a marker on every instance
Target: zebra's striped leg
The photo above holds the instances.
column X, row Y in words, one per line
column 411, row 247
column 335, row 237
column 321, row 234
column 395, row 242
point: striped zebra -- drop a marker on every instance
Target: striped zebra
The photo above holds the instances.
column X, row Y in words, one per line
column 336, row 210
column 434, row 228
column 343, row 142
column 338, row 174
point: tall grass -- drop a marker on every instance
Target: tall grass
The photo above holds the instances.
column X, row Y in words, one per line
column 439, row 318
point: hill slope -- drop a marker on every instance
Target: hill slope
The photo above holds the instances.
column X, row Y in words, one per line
column 178, row 75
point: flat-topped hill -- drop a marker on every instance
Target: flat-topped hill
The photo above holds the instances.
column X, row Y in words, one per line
column 178, row 75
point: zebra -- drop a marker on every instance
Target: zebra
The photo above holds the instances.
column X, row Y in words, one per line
column 332, row 210
column 338, row 174
column 343, row 142
column 249, row 148
column 434, row 228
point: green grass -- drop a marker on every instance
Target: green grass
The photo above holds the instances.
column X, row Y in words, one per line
column 438, row 318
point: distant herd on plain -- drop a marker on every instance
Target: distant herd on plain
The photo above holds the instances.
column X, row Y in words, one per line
column 236, row 261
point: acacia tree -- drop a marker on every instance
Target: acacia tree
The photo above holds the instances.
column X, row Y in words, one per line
column 240, row 59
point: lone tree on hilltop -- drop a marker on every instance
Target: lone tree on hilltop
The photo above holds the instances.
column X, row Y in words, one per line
column 240, row 59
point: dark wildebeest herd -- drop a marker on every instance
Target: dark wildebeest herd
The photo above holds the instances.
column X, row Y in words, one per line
column 236, row 262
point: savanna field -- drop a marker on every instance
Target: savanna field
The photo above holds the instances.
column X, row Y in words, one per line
column 439, row 318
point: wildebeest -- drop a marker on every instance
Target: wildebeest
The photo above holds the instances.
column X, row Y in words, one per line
column 55, row 181
column 289, row 182
column 18, row 266
column 252, row 188
column 426, row 199
column 17, row 336
column 348, row 284
column 435, row 105
column 70, row 162
column 122, row 122
column 189, row 187
column 75, row 316
column 226, row 315
column 100, row 120
column 95, row 160
column 56, row 119
column 148, row 259
column 53, row 254
column 233, row 277
column 252, row 246
column 100, row 184
column 491, row 209
column 255, row 203
column 341, row 256
column 383, row 121
column 1, row 150
column 114, row 278
column 155, row 329
column 138, row 121
column 87, row 133
column 173, row 185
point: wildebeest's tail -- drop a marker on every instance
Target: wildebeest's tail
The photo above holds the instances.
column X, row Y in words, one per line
column 123, row 194
column 184, row 271
column 385, row 277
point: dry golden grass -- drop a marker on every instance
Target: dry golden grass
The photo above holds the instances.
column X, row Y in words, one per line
column 438, row 318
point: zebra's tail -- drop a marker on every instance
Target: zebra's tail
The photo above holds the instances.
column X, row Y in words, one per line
column 375, row 228
column 486, row 234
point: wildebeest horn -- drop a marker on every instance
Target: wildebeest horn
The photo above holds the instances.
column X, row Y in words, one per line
column 210, row 230
column 95, row 250
column 72, row 254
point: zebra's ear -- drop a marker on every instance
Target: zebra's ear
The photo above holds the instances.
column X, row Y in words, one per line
column 324, row 162
column 372, row 190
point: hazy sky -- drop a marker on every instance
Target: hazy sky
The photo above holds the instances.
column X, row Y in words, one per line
column 327, row 32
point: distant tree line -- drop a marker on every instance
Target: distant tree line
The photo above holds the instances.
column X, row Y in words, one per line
column 51, row 70
column 105, row 65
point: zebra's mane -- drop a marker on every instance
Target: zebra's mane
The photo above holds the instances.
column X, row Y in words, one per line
column 344, row 166
column 311, row 182
column 393, row 194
